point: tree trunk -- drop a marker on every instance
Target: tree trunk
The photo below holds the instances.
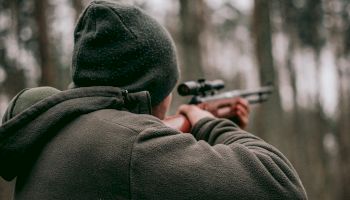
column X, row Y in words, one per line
column 15, row 79
column 192, row 28
column 344, row 139
column 78, row 7
column 47, row 67
column 268, row 118
column 190, row 36
column 263, row 44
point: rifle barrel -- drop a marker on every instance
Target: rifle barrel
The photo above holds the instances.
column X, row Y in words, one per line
column 253, row 96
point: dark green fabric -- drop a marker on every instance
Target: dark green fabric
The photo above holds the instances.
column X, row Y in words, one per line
column 119, row 45
column 40, row 122
column 9, row 110
column 28, row 98
column 31, row 96
column 101, row 143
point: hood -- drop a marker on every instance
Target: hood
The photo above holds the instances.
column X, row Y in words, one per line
column 36, row 115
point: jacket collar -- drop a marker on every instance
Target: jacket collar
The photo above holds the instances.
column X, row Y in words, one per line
column 139, row 102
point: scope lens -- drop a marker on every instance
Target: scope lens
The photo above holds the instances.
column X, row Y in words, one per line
column 183, row 90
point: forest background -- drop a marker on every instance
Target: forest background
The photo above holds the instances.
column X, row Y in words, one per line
column 302, row 46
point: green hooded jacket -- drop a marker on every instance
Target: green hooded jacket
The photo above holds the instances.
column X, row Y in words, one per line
column 102, row 143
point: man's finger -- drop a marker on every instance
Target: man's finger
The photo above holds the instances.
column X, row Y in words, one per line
column 242, row 119
column 242, row 109
column 244, row 103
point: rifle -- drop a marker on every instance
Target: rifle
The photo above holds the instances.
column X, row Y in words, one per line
column 204, row 93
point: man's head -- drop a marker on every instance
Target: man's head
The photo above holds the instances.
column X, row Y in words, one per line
column 119, row 45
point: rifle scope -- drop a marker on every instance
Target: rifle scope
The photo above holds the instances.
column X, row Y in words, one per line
column 200, row 87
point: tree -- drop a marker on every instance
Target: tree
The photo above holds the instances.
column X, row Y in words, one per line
column 47, row 67
column 191, row 32
column 269, row 116
column 78, row 7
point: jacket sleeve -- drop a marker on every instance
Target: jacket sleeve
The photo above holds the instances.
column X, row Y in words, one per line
column 218, row 161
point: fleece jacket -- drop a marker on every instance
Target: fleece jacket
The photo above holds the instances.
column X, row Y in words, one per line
column 102, row 143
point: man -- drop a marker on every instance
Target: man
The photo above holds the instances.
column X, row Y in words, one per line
column 100, row 141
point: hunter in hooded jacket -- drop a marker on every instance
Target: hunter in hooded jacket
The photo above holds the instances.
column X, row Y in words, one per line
column 99, row 140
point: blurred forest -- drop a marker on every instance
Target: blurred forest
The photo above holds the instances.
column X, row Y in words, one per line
column 302, row 46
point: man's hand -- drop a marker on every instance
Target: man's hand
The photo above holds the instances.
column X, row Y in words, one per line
column 237, row 110
column 241, row 109
column 193, row 113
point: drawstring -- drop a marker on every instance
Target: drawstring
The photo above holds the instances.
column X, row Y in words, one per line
column 125, row 96
column 129, row 101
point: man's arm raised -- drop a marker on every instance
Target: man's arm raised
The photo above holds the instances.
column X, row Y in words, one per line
column 218, row 161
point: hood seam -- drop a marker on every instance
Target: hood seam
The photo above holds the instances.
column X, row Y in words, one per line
column 14, row 103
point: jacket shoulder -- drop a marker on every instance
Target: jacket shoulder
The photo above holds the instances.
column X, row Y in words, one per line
column 134, row 122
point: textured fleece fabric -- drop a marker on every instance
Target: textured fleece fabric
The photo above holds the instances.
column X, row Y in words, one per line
column 101, row 143
column 117, row 44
